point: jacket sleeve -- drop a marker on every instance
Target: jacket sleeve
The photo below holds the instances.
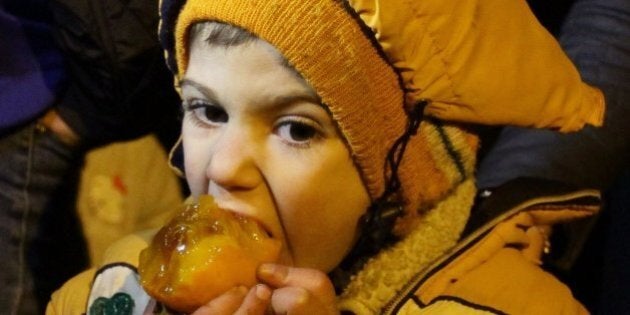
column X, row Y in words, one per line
column 71, row 298
column 119, row 85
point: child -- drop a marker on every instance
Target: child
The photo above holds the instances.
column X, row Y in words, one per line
column 344, row 128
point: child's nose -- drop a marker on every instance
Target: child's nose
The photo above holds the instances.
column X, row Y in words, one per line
column 233, row 162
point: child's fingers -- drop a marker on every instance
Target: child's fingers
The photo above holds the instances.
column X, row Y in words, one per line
column 279, row 276
column 226, row 303
column 256, row 301
column 296, row 300
column 298, row 288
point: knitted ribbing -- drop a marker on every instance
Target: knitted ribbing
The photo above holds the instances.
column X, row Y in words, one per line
column 386, row 274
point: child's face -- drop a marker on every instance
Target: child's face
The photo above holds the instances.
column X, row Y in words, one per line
column 258, row 140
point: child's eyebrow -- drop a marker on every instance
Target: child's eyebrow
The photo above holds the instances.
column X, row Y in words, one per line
column 208, row 93
column 297, row 97
column 278, row 101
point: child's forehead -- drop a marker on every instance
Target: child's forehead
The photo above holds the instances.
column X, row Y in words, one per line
column 255, row 66
column 203, row 40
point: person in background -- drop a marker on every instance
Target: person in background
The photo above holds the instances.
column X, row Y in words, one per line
column 595, row 35
column 74, row 75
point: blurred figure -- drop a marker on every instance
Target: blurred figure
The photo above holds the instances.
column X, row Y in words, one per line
column 73, row 75
column 125, row 187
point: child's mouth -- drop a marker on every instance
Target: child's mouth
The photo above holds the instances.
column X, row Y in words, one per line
column 244, row 212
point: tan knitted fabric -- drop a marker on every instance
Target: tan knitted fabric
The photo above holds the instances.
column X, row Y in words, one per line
column 362, row 91
column 385, row 275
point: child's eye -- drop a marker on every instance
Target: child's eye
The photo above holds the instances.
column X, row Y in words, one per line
column 208, row 113
column 297, row 131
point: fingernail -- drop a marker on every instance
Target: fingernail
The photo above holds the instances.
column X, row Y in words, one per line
column 301, row 297
column 276, row 271
column 267, row 269
column 240, row 290
column 262, row 292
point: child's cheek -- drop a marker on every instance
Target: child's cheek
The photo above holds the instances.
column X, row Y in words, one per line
column 195, row 161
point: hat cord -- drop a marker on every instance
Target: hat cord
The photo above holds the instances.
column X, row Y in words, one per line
column 378, row 222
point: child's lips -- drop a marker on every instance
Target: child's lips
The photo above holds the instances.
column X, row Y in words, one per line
column 244, row 211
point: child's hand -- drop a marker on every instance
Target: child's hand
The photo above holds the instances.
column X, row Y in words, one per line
column 295, row 291
column 299, row 290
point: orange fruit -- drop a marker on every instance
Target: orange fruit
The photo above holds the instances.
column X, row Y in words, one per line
column 201, row 253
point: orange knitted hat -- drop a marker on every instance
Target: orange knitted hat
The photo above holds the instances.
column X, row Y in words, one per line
column 372, row 61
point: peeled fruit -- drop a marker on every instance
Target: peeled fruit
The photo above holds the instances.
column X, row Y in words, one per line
column 201, row 253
